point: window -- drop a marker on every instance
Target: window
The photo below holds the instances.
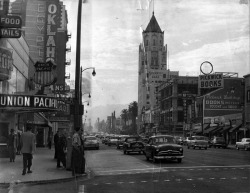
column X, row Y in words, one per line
column 248, row 96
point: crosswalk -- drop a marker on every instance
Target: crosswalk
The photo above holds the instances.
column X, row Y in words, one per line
column 171, row 169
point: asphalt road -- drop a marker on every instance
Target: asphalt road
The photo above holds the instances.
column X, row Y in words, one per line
column 212, row 170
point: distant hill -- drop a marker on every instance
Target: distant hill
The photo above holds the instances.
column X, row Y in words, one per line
column 103, row 111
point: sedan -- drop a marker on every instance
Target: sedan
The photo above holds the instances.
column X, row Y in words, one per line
column 91, row 142
column 163, row 147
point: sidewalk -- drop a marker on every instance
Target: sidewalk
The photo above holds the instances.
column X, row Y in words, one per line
column 43, row 167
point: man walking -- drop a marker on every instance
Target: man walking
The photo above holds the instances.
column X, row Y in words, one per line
column 12, row 145
column 27, row 149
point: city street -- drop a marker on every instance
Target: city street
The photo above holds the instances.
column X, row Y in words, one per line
column 212, row 170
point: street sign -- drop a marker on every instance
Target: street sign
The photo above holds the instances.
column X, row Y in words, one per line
column 10, row 33
column 10, row 21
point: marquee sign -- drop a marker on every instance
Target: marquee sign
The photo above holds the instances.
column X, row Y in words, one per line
column 37, row 102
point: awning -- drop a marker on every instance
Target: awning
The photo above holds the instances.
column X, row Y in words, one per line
column 225, row 129
column 235, row 128
column 40, row 119
column 210, row 129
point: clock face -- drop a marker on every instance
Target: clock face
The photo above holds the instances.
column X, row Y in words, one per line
column 206, row 67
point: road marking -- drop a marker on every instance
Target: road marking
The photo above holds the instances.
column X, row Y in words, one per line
column 143, row 181
column 234, row 178
column 155, row 180
column 172, row 168
column 211, row 178
column 200, row 178
column 131, row 182
column 120, row 182
column 166, row 180
column 222, row 178
column 108, row 183
column 190, row 179
column 244, row 178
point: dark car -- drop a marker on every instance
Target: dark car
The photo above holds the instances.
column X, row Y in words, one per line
column 163, row 147
column 218, row 142
column 133, row 144
column 120, row 141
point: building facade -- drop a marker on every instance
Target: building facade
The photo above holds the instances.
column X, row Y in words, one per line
column 152, row 70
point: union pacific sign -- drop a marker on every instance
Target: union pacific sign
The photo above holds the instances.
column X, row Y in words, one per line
column 39, row 102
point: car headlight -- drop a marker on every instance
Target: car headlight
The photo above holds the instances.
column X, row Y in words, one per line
column 157, row 149
column 181, row 149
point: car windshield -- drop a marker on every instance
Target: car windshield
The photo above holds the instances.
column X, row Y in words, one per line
column 199, row 138
column 90, row 138
column 132, row 139
column 164, row 140
column 248, row 140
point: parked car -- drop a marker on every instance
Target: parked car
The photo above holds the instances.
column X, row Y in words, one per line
column 218, row 142
column 179, row 140
column 105, row 139
column 243, row 144
column 112, row 141
column 91, row 142
column 186, row 140
column 133, row 144
column 120, row 141
column 163, row 147
column 197, row 141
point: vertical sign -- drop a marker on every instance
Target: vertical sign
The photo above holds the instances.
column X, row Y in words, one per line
column 52, row 23
column 4, row 7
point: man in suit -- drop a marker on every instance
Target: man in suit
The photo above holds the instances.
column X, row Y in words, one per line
column 27, row 149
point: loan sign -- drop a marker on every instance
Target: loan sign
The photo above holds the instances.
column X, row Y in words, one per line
column 211, row 81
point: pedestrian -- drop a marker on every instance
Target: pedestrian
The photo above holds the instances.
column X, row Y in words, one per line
column 55, row 144
column 27, row 149
column 18, row 142
column 77, row 158
column 61, row 150
column 50, row 140
column 12, row 145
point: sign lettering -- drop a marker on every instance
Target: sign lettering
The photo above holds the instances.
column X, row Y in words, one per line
column 211, row 81
column 10, row 33
column 10, row 21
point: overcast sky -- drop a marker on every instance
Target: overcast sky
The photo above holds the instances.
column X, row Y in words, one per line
column 195, row 31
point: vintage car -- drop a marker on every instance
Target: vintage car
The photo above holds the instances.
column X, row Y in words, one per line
column 133, row 144
column 186, row 140
column 112, row 141
column 163, row 147
column 120, row 141
column 91, row 142
column 179, row 140
column 218, row 142
column 243, row 144
column 198, row 141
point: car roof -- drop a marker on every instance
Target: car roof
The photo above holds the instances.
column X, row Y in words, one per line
column 156, row 136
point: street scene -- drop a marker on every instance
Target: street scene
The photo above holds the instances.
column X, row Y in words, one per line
column 124, row 96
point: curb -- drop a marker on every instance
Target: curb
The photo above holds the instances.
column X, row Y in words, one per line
column 80, row 176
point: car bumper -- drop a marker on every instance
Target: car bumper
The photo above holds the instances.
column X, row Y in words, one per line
column 169, row 157
column 202, row 146
column 134, row 150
